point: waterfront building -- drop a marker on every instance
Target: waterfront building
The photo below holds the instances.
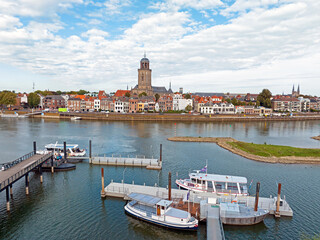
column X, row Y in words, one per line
column 286, row 104
column 96, row 103
column 121, row 105
column 165, row 103
column 179, row 103
column 304, row 104
column 251, row 97
column 217, row 108
column 315, row 104
column 54, row 102
column 107, row 104
column 145, row 81
column 74, row 104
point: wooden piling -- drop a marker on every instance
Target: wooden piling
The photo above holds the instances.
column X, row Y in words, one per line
column 8, row 199
column 169, row 186
column 11, row 192
column 160, row 153
column 65, row 151
column 34, row 147
column 277, row 213
column 90, row 152
column 52, row 168
column 102, row 183
column 27, row 184
column 257, row 197
column 41, row 177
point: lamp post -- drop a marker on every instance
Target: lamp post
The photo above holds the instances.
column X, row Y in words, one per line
column 123, row 178
column 158, row 180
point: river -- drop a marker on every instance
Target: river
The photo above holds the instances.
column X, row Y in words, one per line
column 68, row 204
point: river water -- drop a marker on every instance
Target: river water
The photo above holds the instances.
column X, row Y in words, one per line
column 68, row 204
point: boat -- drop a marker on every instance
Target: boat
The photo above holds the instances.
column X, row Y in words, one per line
column 73, row 150
column 240, row 214
column 76, row 118
column 214, row 183
column 159, row 212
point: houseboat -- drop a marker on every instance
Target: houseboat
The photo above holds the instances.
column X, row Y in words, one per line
column 214, row 183
column 159, row 211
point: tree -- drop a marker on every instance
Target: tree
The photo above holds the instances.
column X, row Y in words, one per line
column 157, row 96
column 82, row 92
column 264, row 98
column 228, row 100
column 59, row 92
column 188, row 108
column 142, row 94
column 33, row 100
column 187, row 96
column 234, row 101
column 7, row 98
column 127, row 94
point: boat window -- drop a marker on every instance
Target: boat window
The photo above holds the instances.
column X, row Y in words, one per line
column 198, row 181
column 220, row 185
column 232, row 186
column 162, row 207
column 193, row 180
column 203, row 182
column 243, row 188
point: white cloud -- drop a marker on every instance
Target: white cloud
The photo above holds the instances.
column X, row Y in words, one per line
column 95, row 33
column 114, row 6
column 178, row 4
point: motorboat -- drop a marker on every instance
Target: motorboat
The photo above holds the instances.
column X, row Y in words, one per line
column 73, row 150
column 159, row 212
column 214, row 183
column 76, row 118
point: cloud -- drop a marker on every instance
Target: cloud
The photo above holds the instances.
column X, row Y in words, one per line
column 114, row 6
column 175, row 5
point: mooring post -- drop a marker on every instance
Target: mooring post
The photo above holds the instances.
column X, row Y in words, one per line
column 27, row 184
column 40, row 171
column 90, row 152
column 257, row 197
column 102, row 183
column 52, row 168
column 169, row 186
column 65, row 151
column 8, row 199
column 160, row 153
column 34, row 147
column 11, row 193
column 277, row 213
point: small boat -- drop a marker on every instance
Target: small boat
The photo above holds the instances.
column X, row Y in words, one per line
column 76, row 118
column 73, row 150
column 214, row 183
column 240, row 214
column 159, row 211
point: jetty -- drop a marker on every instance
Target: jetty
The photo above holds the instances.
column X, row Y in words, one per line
column 11, row 172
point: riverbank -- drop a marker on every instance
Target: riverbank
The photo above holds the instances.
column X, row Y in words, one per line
column 316, row 138
column 260, row 152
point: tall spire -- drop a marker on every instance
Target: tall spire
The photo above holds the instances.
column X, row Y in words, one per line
column 298, row 91
column 293, row 89
column 145, row 55
column 170, row 85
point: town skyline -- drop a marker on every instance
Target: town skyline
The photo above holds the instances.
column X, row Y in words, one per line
column 244, row 45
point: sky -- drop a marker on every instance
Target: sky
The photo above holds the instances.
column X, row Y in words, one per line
column 235, row 46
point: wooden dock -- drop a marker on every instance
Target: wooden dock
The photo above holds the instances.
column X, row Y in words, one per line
column 149, row 163
column 19, row 168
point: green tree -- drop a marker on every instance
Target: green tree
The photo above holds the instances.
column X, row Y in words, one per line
column 33, row 100
column 234, row 101
column 188, row 108
column 228, row 100
column 142, row 94
column 127, row 94
column 59, row 92
column 82, row 92
column 187, row 96
column 7, row 98
column 157, row 96
column 264, row 98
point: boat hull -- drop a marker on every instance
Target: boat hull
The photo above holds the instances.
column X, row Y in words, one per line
column 159, row 223
column 243, row 221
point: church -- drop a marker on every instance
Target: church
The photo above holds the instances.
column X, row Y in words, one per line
column 144, row 81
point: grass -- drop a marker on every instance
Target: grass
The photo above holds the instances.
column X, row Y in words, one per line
column 266, row 150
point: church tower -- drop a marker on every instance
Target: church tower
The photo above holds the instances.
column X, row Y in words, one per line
column 144, row 76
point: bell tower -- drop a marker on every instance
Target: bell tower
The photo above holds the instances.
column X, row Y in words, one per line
column 144, row 76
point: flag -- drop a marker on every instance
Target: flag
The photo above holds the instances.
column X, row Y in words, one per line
column 204, row 169
column 188, row 194
column 250, row 183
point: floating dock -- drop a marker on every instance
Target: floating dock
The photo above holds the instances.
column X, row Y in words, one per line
column 149, row 163
column 214, row 225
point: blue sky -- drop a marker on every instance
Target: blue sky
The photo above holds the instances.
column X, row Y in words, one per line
column 200, row 45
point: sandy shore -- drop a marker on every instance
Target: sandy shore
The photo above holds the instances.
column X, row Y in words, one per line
column 223, row 142
column 316, row 137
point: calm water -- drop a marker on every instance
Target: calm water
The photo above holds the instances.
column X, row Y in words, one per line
column 68, row 204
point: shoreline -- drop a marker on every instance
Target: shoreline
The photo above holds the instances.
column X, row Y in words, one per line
column 316, row 138
column 223, row 142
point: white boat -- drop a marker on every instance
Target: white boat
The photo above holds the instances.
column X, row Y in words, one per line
column 159, row 211
column 76, row 118
column 73, row 150
column 214, row 183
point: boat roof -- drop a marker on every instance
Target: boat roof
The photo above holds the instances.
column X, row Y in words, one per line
column 173, row 212
column 164, row 203
column 144, row 198
column 60, row 146
column 218, row 178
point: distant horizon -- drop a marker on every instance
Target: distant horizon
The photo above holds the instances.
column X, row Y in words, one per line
column 246, row 45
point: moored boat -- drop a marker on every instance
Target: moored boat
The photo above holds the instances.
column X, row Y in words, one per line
column 214, row 183
column 159, row 212
column 76, row 118
column 73, row 150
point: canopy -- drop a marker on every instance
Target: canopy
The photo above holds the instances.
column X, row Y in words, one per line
column 144, row 198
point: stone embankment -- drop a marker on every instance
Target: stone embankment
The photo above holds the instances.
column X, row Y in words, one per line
column 223, row 142
column 316, row 137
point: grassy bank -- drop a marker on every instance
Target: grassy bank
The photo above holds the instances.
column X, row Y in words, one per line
column 266, row 150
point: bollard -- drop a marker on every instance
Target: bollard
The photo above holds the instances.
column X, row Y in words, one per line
column 65, row 151
column 277, row 213
column 257, row 197
column 169, row 186
column 8, row 199
column 102, row 182
column 52, row 168
column 27, row 184
column 11, row 193
column 34, row 147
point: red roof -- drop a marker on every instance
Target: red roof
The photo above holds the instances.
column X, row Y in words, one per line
column 81, row 96
column 121, row 93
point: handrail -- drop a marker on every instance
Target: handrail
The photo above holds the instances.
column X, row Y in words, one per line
column 25, row 170
column 15, row 162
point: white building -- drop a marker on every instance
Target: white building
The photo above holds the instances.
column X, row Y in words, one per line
column 304, row 104
column 180, row 104
column 121, row 106
column 96, row 104
column 217, row 108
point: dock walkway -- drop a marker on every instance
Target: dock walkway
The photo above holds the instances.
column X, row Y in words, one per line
column 25, row 164
column 214, row 226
